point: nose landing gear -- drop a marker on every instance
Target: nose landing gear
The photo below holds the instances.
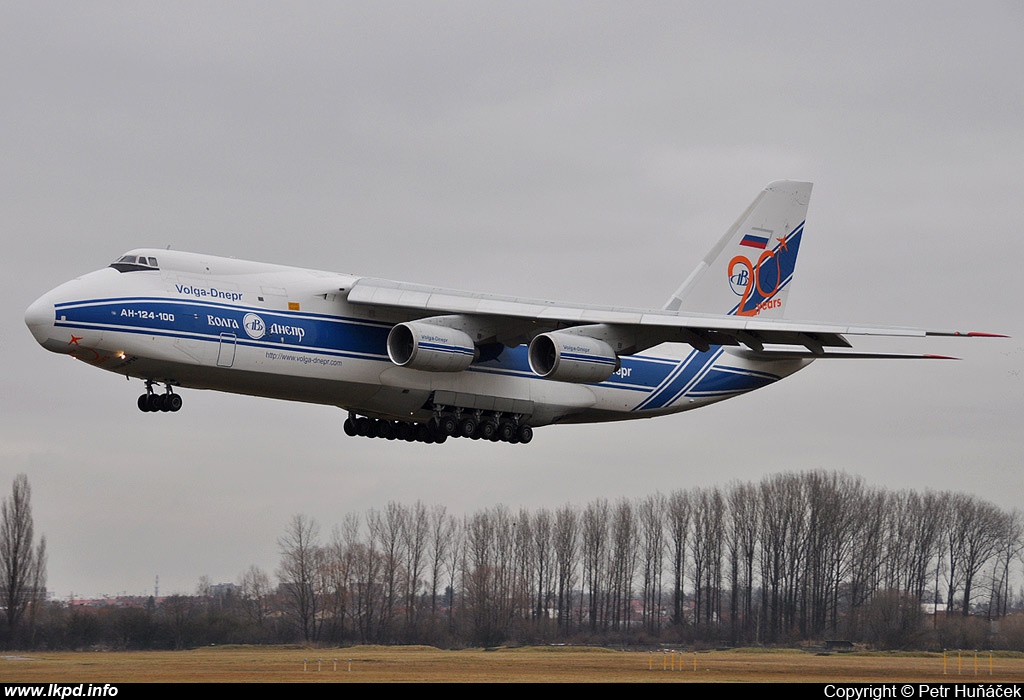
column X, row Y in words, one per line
column 151, row 402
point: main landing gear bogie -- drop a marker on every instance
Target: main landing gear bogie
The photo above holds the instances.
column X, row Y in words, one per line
column 443, row 425
column 152, row 402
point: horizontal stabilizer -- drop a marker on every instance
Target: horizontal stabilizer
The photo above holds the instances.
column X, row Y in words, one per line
column 838, row 354
column 966, row 334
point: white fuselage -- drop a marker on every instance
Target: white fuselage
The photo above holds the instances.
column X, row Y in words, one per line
column 268, row 330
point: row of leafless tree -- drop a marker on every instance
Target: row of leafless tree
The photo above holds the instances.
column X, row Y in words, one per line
column 793, row 557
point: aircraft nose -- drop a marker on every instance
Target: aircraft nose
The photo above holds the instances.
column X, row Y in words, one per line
column 39, row 318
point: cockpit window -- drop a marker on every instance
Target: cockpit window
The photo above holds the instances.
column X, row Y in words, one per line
column 132, row 263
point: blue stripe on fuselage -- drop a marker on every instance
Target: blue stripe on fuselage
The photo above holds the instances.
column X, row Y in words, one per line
column 663, row 380
column 723, row 380
column 207, row 321
column 681, row 379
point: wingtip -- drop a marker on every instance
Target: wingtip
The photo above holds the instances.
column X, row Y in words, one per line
column 966, row 334
column 939, row 357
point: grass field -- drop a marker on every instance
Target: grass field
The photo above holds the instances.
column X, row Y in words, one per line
column 535, row 664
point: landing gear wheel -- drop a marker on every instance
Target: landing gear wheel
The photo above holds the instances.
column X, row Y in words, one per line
column 423, row 433
column 486, row 430
column 447, row 425
column 506, row 431
column 525, row 434
column 350, row 427
column 151, row 402
column 467, row 427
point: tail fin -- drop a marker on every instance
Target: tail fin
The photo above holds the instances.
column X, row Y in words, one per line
column 749, row 270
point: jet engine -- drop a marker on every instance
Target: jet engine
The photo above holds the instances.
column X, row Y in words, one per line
column 567, row 357
column 428, row 347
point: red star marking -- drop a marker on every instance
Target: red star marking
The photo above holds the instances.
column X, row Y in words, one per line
column 74, row 339
column 782, row 244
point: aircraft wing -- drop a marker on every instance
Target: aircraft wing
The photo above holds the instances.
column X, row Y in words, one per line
column 656, row 326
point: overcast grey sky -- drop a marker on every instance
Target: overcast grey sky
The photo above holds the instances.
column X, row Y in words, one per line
column 577, row 151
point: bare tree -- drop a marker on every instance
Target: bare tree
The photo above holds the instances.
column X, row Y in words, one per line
column 255, row 596
column 566, row 542
column 415, row 533
column 520, row 574
column 180, row 614
column 364, row 563
column 869, row 546
column 22, row 562
column 971, row 539
column 622, row 563
column 1011, row 544
column 595, row 566
column 442, row 531
column 386, row 528
column 652, row 522
column 742, row 539
column 832, row 501
column 456, row 554
column 543, row 552
column 300, row 560
column 708, row 517
column 782, row 527
column 929, row 519
column 981, row 525
column 336, row 577
column 679, row 516
column 481, row 576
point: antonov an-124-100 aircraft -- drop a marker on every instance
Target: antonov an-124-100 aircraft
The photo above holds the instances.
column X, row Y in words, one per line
column 422, row 363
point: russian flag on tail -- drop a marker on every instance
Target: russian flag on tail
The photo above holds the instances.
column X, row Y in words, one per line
column 752, row 241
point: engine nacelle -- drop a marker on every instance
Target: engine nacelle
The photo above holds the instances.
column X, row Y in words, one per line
column 566, row 357
column 429, row 347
